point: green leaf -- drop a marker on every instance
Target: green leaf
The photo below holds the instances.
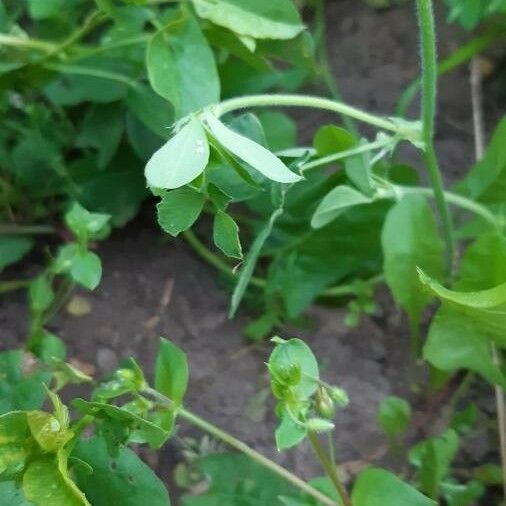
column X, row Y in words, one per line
column 457, row 341
column 394, row 416
column 377, row 487
column 236, row 480
column 40, row 293
column 458, row 494
column 410, row 239
column 250, row 152
column 289, row 433
column 433, row 458
column 143, row 430
column 181, row 159
column 12, row 494
column 330, row 139
column 486, row 307
column 250, row 262
column 102, row 129
column 335, row 203
column 150, row 109
column 124, row 479
column 83, row 223
column 181, row 66
column 46, row 482
column 179, row 209
column 171, row 371
column 280, row 130
column 16, row 444
column 262, row 19
column 48, row 431
column 86, row 269
column 17, row 390
column 295, row 354
column 43, row 9
column 13, row 248
column 226, row 235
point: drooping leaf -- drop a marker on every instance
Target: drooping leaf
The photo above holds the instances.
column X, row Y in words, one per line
column 375, row 487
column 250, row 152
column 179, row 209
column 13, row 248
column 261, row 19
column 289, row 433
column 181, row 159
column 226, row 235
column 410, row 239
column 46, row 481
column 250, row 262
column 486, row 307
column 123, row 479
column 181, row 65
column 171, row 371
column 335, row 203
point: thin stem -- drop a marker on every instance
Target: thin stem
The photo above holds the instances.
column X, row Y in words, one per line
column 452, row 198
column 479, row 134
column 216, row 261
column 429, row 88
column 287, row 100
column 364, row 148
column 254, row 455
column 19, row 42
column 329, row 469
column 26, row 229
column 501, row 417
column 324, row 65
column 11, row 286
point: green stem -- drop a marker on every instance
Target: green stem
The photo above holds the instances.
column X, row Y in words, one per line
column 452, row 198
column 19, row 42
column 459, row 57
column 324, row 65
column 329, row 469
column 288, row 100
column 216, row 261
column 255, row 456
column 429, row 87
column 27, row 230
column 364, row 148
column 10, row 286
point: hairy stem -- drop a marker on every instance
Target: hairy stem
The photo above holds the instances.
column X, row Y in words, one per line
column 429, row 89
column 329, row 468
column 288, row 100
column 254, row 455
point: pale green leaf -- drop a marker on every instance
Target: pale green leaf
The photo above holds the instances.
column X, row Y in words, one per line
column 181, row 159
column 394, row 416
column 289, row 433
column 86, row 269
column 250, row 152
column 262, row 19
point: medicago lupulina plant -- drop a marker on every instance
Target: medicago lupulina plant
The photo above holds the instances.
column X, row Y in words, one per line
column 370, row 220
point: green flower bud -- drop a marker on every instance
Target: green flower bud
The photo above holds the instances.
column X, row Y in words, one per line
column 324, row 404
column 339, row 396
column 319, row 425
